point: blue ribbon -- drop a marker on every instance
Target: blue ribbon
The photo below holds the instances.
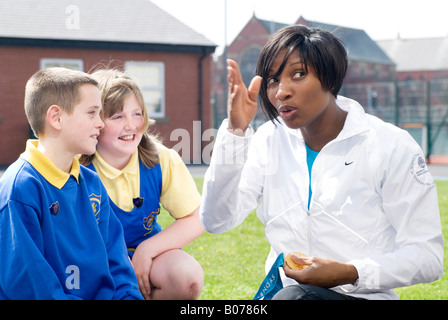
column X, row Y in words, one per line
column 272, row 283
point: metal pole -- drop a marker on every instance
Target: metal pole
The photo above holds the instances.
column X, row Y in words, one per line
column 428, row 118
column 225, row 56
column 397, row 111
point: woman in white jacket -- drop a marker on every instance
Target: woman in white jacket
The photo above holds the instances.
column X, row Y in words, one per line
column 348, row 190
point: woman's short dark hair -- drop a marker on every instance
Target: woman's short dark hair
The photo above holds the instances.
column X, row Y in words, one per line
column 318, row 48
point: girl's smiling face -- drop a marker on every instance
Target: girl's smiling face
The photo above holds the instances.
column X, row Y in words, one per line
column 122, row 134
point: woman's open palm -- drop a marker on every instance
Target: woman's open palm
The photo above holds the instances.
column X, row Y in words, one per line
column 242, row 102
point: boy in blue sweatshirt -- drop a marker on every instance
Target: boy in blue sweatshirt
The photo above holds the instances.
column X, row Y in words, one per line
column 58, row 237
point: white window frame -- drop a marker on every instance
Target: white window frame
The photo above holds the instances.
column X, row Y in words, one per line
column 65, row 63
column 143, row 87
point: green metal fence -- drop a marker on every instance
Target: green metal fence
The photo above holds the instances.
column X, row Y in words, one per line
column 420, row 107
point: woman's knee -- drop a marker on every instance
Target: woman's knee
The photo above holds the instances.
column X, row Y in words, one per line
column 294, row 292
column 309, row 292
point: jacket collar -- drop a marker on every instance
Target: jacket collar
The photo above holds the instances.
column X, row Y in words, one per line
column 355, row 123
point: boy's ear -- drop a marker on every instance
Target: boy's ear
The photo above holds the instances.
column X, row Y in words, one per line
column 54, row 113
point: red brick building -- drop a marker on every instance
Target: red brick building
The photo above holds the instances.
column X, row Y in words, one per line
column 367, row 61
column 171, row 62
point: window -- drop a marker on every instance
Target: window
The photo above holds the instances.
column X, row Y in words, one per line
column 150, row 76
column 74, row 64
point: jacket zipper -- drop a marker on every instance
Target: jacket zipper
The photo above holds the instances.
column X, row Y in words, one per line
column 310, row 247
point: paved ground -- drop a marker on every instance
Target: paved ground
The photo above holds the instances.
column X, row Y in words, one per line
column 439, row 172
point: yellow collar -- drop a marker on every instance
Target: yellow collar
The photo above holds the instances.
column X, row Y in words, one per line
column 46, row 168
column 111, row 172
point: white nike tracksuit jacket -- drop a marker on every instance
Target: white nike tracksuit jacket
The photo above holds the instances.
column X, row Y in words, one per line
column 374, row 202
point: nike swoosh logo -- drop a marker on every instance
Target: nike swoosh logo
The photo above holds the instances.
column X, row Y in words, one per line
column 348, row 163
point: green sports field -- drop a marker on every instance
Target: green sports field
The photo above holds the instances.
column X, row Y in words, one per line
column 233, row 262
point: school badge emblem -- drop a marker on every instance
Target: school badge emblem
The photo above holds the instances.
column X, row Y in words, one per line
column 148, row 221
column 95, row 201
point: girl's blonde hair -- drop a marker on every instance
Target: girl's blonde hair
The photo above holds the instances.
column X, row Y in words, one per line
column 115, row 87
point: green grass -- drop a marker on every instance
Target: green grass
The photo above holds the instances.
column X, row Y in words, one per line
column 233, row 261
column 437, row 290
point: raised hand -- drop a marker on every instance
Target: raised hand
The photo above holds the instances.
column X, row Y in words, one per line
column 242, row 101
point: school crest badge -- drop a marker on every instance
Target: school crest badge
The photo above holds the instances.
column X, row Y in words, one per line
column 95, row 201
column 148, row 221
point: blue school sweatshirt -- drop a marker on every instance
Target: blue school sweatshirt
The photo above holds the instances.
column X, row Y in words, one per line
column 59, row 238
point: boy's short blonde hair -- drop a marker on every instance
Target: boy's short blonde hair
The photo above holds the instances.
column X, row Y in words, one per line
column 52, row 86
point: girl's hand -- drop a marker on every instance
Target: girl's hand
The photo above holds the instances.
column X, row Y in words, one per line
column 322, row 272
column 242, row 102
column 142, row 262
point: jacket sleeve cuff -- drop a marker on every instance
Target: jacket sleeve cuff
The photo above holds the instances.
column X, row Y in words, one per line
column 368, row 276
column 224, row 126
